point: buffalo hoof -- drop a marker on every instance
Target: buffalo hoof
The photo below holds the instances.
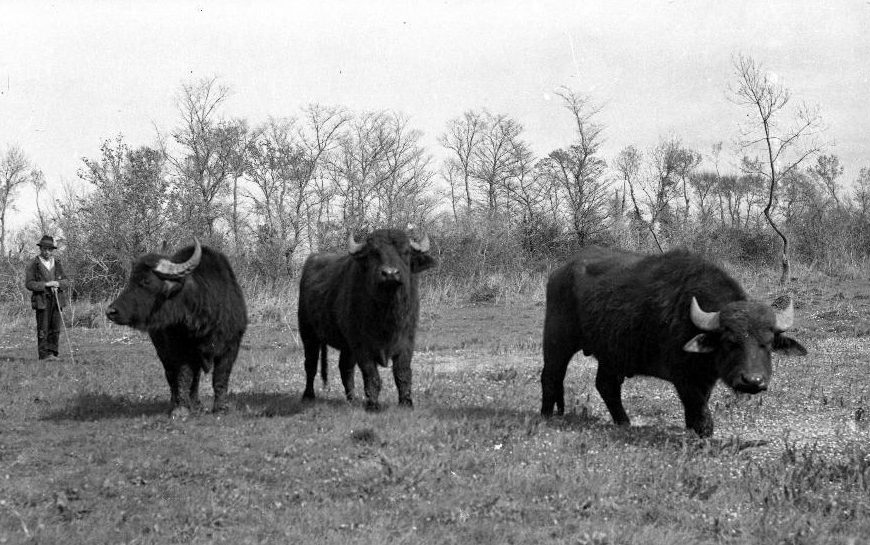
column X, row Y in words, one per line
column 704, row 432
column 373, row 406
column 179, row 413
column 308, row 395
column 221, row 407
column 406, row 403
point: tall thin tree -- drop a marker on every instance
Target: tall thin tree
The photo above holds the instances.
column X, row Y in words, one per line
column 14, row 171
column 784, row 148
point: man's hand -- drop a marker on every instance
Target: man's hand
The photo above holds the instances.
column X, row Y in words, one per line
column 52, row 284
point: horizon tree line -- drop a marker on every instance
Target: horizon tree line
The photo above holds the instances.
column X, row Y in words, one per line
column 269, row 193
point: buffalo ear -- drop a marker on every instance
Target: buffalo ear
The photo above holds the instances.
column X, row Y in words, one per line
column 700, row 344
column 788, row 346
column 421, row 261
column 171, row 287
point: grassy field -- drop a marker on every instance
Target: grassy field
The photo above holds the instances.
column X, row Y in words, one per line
column 88, row 454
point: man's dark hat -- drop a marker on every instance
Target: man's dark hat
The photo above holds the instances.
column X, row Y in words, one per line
column 47, row 242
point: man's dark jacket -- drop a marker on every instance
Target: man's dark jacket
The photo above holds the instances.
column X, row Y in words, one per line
column 35, row 278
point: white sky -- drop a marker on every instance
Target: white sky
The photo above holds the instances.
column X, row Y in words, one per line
column 75, row 73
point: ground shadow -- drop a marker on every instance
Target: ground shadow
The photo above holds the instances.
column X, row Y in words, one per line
column 276, row 404
column 12, row 359
column 101, row 406
column 647, row 436
column 16, row 354
column 573, row 421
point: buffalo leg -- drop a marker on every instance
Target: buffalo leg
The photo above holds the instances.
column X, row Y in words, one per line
column 185, row 380
column 220, row 380
column 695, row 400
column 609, row 386
column 371, row 383
column 553, row 380
column 324, row 367
column 402, row 376
column 347, row 370
column 171, row 372
column 312, row 351
column 194, row 389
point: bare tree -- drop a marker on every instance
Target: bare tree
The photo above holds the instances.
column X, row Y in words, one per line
column 238, row 137
column 585, row 198
column 14, row 172
column 209, row 152
column 785, row 148
column 451, row 174
column 277, row 169
column 495, row 158
column 578, row 170
column 379, row 171
column 668, row 158
column 827, row 171
column 284, row 161
column 686, row 161
column 407, row 177
column 526, row 188
column 628, row 163
column 37, row 180
column 359, row 165
column 704, row 184
column 861, row 193
column 462, row 139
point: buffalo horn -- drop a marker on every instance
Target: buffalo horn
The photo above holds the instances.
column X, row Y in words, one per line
column 784, row 318
column 422, row 246
column 353, row 246
column 168, row 269
column 705, row 321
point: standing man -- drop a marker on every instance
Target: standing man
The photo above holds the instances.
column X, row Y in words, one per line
column 46, row 279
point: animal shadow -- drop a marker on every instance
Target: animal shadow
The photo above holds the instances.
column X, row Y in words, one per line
column 275, row 404
column 667, row 437
column 655, row 437
column 100, row 406
column 571, row 421
column 488, row 414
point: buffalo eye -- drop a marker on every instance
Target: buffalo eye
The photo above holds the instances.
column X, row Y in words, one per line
column 729, row 340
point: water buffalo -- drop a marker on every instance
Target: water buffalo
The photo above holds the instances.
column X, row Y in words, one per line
column 365, row 304
column 642, row 315
column 193, row 309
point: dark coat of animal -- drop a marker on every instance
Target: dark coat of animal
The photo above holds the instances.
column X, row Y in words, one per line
column 365, row 304
column 641, row 315
column 193, row 309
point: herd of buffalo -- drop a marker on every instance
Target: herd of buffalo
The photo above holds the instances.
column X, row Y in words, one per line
column 675, row 316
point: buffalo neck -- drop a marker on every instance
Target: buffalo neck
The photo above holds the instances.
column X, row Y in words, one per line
column 386, row 313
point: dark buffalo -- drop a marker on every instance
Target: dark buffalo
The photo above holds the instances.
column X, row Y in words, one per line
column 365, row 304
column 193, row 309
column 641, row 315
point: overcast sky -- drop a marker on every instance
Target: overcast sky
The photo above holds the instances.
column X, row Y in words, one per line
column 75, row 73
